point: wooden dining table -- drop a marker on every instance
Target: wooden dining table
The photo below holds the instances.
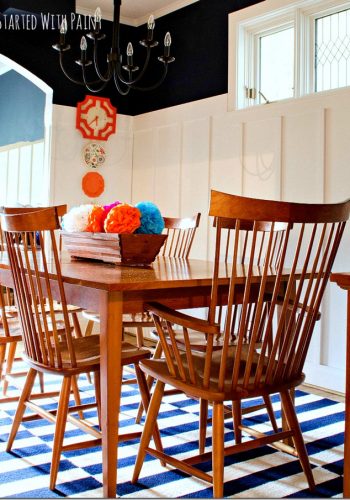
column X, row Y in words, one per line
column 112, row 290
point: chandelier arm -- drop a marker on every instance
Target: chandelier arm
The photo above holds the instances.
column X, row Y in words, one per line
column 88, row 84
column 108, row 75
column 73, row 80
column 140, row 75
column 154, row 86
column 120, row 90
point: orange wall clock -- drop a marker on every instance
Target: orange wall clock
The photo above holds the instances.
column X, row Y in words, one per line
column 96, row 118
column 93, row 184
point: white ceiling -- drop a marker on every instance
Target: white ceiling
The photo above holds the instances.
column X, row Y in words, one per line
column 133, row 12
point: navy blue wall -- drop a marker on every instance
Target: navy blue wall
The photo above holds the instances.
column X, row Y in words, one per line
column 22, row 107
column 200, row 45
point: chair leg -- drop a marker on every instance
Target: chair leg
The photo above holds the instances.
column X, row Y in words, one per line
column 237, row 420
column 9, row 363
column 145, row 396
column 41, row 382
column 270, row 412
column 139, row 336
column 75, row 388
column 148, row 429
column 76, row 324
column 157, row 354
column 62, row 412
column 218, row 450
column 299, row 444
column 97, row 384
column 89, row 328
column 2, row 359
column 26, row 392
column 203, row 422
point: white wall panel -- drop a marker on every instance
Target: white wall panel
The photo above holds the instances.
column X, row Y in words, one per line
column 3, row 176
column 303, row 157
column 25, row 175
column 262, row 158
column 38, row 194
column 226, row 173
column 168, row 168
column 194, row 189
column 294, row 150
column 12, row 179
column 143, row 171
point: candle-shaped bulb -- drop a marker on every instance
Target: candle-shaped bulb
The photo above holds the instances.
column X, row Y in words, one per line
column 129, row 54
column 151, row 23
column 83, row 44
column 167, row 44
column 167, row 40
column 150, row 27
column 64, row 26
column 98, row 19
column 63, row 31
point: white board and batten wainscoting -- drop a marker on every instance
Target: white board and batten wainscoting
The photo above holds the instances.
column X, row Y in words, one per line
column 297, row 150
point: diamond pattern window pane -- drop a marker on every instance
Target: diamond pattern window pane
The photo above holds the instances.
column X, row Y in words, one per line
column 332, row 49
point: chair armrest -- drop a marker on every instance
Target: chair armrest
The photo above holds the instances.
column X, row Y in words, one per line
column 181, row 319
column 299, row 306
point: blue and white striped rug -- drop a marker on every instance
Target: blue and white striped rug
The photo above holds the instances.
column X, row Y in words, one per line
column 261, row 473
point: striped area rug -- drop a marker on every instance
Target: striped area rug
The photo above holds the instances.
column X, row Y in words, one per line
column 261, row 473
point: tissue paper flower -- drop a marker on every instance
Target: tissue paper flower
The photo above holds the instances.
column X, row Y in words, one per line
column 76, row 220
column 107, row 209
column 152, row 221
column 96, row 219
column 123, row 219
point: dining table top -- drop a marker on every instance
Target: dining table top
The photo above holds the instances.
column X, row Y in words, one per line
column 164, row 272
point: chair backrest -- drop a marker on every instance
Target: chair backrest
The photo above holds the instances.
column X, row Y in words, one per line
column 181, row 232
column 305, row 238
column 262, row 230
column 31, row 268
column 61, row 210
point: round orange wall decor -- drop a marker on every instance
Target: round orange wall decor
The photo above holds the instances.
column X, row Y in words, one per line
column 93, row 184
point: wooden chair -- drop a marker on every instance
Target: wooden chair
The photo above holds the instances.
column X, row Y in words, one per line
column 269, row 352
column 48, row 349
column 10, row 335
column 73, row 310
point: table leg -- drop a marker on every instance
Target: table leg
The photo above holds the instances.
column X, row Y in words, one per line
column 111, row 337
column 346, row 485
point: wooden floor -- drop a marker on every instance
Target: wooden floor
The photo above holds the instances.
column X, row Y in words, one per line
column 335, row 396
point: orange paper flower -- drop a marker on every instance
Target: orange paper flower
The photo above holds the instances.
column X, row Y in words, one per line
column 95, row 220
column 123, row 219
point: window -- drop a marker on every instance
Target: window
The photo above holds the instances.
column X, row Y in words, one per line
column 332, row 51
column 276, row 65
column 281, row 49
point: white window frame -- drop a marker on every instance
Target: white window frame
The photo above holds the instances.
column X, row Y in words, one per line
column 246, row 26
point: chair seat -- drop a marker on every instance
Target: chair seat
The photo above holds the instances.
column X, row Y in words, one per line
column 131, row 320
column 158, row 369
column 57, row 308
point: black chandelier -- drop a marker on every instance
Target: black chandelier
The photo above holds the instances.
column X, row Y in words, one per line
column 125, row 76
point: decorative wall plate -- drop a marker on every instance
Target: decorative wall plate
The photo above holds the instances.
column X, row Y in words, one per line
column 93, row 184
column 94, row 154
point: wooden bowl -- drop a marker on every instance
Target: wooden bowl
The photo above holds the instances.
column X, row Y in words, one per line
column 127, row 249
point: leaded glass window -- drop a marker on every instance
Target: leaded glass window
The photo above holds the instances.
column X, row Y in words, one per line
column 332, row 51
